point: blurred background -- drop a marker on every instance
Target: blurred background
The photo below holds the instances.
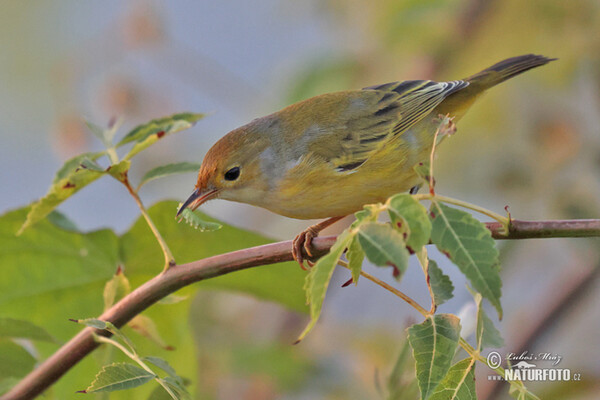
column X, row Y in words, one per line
column 532, row 143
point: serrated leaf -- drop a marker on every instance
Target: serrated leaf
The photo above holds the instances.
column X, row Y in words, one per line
column 115, row 289
column 162, row 364
column 119, row 376
column 487, row 334
column 85, row 172
column 318, row 279
column 149, row 133
column 16, row 328
column 169, row 169
column 194, row 220
column 60, row 190
column 368, row 214
column 440, row 283
column 458, row 384
column 405, row 209
column 434, row 344
column 146, row 327
column 383, row 245
column 355, row 256
column 470, row 246
column 74, row 164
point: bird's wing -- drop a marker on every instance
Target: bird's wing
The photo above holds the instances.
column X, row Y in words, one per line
column 376, row 114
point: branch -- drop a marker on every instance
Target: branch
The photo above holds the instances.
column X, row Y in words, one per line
column 179, row 276
column 546, row 229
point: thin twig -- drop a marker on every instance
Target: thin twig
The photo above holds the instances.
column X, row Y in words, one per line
column 169, row 259
column 389, row 288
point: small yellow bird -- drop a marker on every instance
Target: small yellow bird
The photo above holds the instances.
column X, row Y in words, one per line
column 327, row 156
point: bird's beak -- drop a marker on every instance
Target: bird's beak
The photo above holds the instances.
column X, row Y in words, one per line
column 197, row 198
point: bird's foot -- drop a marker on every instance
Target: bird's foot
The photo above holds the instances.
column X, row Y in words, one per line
column 302, row 242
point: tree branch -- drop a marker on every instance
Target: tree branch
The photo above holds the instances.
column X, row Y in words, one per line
column 177, row 277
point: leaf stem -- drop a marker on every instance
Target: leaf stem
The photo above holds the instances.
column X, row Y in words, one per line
column 169, row 259
column 389, row 288
column 449, row 200
column 112, row 155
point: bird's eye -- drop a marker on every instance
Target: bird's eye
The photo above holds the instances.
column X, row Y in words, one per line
column 232, row 174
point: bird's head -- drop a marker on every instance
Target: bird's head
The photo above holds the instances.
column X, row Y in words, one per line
column 231, row 170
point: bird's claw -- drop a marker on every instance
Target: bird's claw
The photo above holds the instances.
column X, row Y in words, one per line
column 304, row 241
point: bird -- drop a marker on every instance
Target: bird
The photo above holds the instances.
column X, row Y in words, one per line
column 329, row 155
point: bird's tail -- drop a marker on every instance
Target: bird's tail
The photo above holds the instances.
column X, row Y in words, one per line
column 459, row 102
column 504, row 70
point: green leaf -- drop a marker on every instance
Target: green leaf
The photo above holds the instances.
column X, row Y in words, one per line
column 368, row 214
column 169, row 169
column 193, row 219
column 15, row 361
column 108, row 326
column 470, row 246
column 8, row 383
column 520, row 393
column 434, row 344
column 149, row 133
column 146, row 327
column 487, row 334
column 402, row 383
column 172, row 299
column 98, row 131
column 355, row 256
column 50, row 275
column 61, row 221
column 162, row 364
column 318, row 279
column 115, row 289
column 94, row 323
column 15, row 328
column 383, row 245
column 119, row 376
column 423, row 171
column 458, row 384
column 176, row 387
column 404, row 209
column 86, row 163
column 440, row 284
